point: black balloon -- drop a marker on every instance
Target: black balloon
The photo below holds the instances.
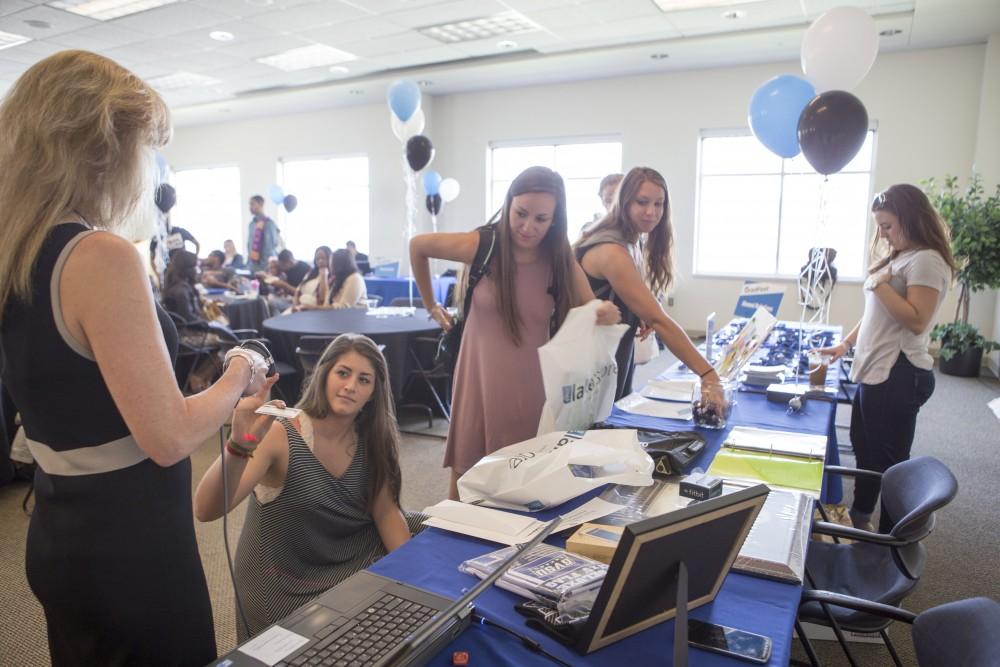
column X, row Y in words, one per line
column 165, row 197
column 419, row 152
column 832, row 129
column 434, row 204
column 291, row 201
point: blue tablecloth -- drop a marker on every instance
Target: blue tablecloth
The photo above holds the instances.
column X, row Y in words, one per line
column 399, row 288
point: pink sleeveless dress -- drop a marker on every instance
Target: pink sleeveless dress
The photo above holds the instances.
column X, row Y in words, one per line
column 498, row 394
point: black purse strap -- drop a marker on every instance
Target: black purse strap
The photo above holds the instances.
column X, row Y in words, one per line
column 480, row 264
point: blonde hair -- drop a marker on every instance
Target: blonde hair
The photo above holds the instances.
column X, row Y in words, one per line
column 77, row 133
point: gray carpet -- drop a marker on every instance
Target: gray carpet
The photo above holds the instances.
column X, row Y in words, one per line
column 955, row 426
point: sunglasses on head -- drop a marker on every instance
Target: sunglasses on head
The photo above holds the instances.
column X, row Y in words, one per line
column 883, row 203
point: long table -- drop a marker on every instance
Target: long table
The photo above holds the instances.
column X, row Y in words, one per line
column 431, row 560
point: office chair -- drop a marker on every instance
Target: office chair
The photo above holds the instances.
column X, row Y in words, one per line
column 308, row 351
column 881, row 568
column 964, row 632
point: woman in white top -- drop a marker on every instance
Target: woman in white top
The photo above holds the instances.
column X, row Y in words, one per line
column 314, row 288
column 907, row 282
column 348, row 289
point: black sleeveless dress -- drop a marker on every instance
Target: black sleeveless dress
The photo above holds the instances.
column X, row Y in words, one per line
column 111, row 550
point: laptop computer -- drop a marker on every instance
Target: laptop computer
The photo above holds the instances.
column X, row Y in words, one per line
column 367, row 619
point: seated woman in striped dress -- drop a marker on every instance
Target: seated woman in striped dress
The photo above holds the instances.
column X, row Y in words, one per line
column 324, row 487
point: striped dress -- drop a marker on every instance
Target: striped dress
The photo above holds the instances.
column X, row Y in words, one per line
column 313, row 534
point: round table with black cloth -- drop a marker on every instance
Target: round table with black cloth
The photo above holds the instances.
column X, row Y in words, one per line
column 395, row 333
column 244, row 313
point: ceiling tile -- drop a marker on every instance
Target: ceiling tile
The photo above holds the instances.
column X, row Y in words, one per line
column 765, row 14
column 306, row 17
column 402, row 41
column 170, row 19
column 416, row 58
column 100, row 37
column 351, row 31
column 618, row 10
column 31, row 52
column 446, row 12
column 11, row 6
column 60, row 21
column 266, row 46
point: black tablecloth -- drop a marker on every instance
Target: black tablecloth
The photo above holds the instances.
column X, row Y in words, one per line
column 395, row 333
column 244, row 313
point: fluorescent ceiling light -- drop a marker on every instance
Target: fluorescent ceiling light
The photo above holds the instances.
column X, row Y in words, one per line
column 105, row 10
column 681, row 5
column 307, row 57
column 507, row 23
column 9, row 39
column 221, row 36
column 179, row 80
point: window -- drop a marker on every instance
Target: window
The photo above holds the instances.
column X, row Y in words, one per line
column 759, row 214
column 333, row 204
column 209, row 206
column 582, row 166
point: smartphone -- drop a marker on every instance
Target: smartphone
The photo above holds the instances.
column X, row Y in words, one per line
column 729, row 641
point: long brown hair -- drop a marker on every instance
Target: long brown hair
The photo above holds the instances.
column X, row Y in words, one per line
column 376, row 423
column 342, row 267
column 555, row 245
column 658, row 249
column 919, row 220
column 76, row 136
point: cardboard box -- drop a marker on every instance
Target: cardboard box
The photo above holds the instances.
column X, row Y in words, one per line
column 595, row 541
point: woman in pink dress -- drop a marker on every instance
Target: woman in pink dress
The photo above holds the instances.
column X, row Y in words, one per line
column 531, row 282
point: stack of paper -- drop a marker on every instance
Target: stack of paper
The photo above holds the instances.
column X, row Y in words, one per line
column 637, row 404
column 669, row 390
column 789, row 443
column 765, row 375
column 775, row 547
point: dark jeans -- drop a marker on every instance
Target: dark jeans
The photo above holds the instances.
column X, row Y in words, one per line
column 883, row 420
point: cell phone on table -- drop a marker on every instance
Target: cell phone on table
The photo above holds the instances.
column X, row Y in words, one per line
column 740, row 644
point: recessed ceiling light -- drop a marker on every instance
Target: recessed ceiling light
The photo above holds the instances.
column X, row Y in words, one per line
column 891, row 32
column 734, row 14
column 505, row 23
column 222, row 36
column 506, row 44
column 339, row 69
column 179, row 80
column 104, row 10
column 306, row 57
column 9, row 39
column 35, row 23
column 659, row 56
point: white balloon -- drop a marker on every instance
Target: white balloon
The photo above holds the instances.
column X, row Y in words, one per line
column 410, row 128
column 449, row 189
column 839, row 48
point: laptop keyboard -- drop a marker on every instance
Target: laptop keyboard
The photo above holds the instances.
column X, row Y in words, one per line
column 362, row 640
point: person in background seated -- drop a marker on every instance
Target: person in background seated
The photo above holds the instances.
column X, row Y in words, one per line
column 360, row 258
column 638, row 275
column 111, row 549
column 262, row 236
column 912, row 268
column 324, row 487
column 214, row 272
column 295, row 270
column 232, row 258
column 179, row 295
column 531, row 284
column 348, row 289
column 314, row 289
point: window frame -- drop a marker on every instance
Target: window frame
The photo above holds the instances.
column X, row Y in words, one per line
column 715, row 133
column 239, row 239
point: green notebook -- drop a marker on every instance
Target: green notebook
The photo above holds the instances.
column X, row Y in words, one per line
column 788, row 471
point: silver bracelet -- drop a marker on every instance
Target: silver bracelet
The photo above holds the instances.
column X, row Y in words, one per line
column 247, row 358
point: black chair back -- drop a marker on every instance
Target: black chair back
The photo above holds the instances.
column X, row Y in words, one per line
column 308, row 351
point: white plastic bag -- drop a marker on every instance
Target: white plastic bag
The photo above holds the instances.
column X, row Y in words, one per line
column 579, row 372
column 646, row 350
column 555, row 467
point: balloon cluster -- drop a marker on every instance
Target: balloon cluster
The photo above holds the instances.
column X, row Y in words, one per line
column 407, row 121
column 277, row 195
column 818, row 116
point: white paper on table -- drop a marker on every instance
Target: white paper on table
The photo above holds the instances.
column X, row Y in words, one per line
column 790, row 443
column 637, row 404
column 273, row 645
column 669, row 390
column 504, row 527
column 590, row 510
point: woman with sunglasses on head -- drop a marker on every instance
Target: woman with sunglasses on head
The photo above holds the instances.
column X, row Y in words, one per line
column 324, row 487
column 911, row 271
column 531, row 283
column 636, row 276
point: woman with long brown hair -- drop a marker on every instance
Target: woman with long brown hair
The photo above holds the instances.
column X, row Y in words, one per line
column 88, row 359
column 912, row 268
column 531, row 283
column 636, row 276
column 324, row 487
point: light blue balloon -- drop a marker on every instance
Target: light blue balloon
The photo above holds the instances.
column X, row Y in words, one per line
column 774, row 113
column 404, row 99
column 276, row 194
column 432, row 182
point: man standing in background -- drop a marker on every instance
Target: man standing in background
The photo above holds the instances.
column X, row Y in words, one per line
column 262, row 236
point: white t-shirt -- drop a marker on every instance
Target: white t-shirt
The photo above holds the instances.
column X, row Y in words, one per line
column 352, row 293
column 881, row 337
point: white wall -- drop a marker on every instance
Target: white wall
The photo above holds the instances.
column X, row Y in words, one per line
column 926, row 104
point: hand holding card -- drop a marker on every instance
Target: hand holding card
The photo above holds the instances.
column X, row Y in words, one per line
column 275, row 411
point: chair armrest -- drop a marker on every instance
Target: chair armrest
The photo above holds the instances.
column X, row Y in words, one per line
column 837, row 530
column 852, row 472
column 858, row 604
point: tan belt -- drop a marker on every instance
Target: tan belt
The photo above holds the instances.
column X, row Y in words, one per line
column 111, row 456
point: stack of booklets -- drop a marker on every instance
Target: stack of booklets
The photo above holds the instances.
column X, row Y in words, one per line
column 780, row 459
column 765, row 375
column 546, row 574
column 775, row 548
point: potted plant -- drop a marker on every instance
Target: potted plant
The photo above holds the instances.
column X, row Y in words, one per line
column 974, row 220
